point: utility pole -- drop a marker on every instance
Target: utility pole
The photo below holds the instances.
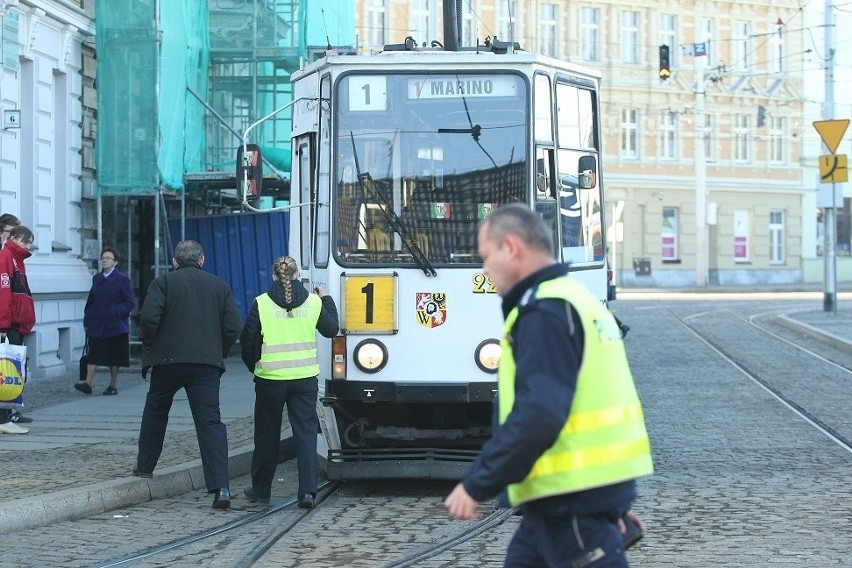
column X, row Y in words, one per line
column 829, row 217
column 701, row 252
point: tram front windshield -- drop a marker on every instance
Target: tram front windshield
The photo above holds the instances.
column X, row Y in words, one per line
column 420, row 160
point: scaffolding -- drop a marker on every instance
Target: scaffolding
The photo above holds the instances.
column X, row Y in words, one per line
column 177, row 83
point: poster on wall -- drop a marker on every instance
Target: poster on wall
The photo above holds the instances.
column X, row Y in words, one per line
column 741, row 235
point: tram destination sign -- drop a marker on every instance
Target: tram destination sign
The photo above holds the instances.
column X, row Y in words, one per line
column 458, row 86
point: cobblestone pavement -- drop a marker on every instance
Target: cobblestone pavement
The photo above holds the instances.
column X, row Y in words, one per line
column 740, row 479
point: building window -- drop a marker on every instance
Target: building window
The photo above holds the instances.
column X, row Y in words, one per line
column 777, row 135
column 668, row 135
column 630, row 133
column 742, row 31
column 547, row 23
column 375, row 25
column 741, row 236
column 776, row 52
column 710, row 137
column 506, row 20
column 9, row 38
column 668, row 234
column 422, row 27
column 468, row 24
column 777, row 254
column 630, row 37
column 668, row 36
column 741, row 138
column 589, row 34
column 705, row 36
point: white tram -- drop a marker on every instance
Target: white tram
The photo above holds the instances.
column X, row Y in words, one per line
column 396, row 159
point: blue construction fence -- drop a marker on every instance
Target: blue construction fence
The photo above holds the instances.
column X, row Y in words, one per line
column 239, row 248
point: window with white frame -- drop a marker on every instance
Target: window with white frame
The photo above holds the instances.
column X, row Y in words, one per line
column 777, row 139
column 668, row 135
column 375, row 25
column 742, row 138
column 776, row 52
column 705, row 35
column 742, row 33
column 710, row 137
column 547, row 25
column 422, row 28
column 668, row 36
column 468, row 23
column 590, row 34
column 630, row 133
column 668, row 234
column 777, row 254
column 741, row 235
column 630, row 36
column 506, row 21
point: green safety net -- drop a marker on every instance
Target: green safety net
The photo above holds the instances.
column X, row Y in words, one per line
column 144, row 108
column 178, row 82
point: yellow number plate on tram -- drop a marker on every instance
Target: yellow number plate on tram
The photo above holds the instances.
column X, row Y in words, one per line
column 369, row 303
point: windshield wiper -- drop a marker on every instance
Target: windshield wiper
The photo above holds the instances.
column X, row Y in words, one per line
column 365, row 182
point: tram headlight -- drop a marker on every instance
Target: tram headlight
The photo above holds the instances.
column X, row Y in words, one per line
column 370, row 355
column 487, row 355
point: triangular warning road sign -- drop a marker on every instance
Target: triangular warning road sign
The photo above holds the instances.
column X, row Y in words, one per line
column 831, row 132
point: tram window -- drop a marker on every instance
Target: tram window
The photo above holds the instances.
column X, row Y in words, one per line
column 543, row 101
column 575, row 117
column 543, row 171
column 320, row 209
column 586, row 118
column 438, row 162
column 568, row 118
column 579, row 208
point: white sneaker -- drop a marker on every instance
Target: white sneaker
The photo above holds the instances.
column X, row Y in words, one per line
column 12, row 428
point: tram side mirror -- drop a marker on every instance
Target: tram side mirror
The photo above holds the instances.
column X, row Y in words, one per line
column 249, row 171
column 587, row 178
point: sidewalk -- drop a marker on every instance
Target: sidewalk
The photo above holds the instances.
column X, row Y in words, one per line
column 833, row 329
column 78, row 457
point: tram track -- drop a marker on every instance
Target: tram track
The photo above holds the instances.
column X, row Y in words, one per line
column 290, row 518
column 827, row 374
column 461, row 536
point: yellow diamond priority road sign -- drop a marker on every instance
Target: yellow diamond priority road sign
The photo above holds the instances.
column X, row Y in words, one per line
column 831, row 132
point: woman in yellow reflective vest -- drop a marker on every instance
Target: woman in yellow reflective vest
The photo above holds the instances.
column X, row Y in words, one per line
column 279, row 345
column 571, row 436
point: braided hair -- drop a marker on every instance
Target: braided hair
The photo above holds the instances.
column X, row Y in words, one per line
column 285, row 269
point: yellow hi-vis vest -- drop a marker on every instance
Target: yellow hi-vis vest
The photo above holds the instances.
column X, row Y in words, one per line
column 289, row 348
column 604, row 440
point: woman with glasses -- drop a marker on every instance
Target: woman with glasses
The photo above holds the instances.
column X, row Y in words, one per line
column 17, row 310
column 106, row 320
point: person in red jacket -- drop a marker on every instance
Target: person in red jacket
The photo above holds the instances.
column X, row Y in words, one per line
column 17, row 310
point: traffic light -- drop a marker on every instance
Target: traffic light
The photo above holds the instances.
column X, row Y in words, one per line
column 665, row 72
column 761, row 116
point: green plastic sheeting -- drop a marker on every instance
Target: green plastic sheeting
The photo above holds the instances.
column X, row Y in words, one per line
column 237, row 57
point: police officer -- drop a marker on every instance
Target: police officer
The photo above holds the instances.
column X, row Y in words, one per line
column 279, row 346
column 571, row 438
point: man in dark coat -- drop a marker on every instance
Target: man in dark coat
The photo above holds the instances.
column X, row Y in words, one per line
column 188, row 323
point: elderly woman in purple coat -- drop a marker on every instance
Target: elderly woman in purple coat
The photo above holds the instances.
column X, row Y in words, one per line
column 106, row 320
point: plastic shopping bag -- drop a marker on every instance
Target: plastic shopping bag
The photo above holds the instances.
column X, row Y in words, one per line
column 13, row 360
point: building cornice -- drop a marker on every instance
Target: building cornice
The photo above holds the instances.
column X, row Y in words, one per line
column 60, row 10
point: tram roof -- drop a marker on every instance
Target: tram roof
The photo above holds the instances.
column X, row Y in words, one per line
column 414, row 60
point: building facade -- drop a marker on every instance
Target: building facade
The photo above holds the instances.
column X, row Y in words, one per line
column 704, row 174
column 47, row 165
